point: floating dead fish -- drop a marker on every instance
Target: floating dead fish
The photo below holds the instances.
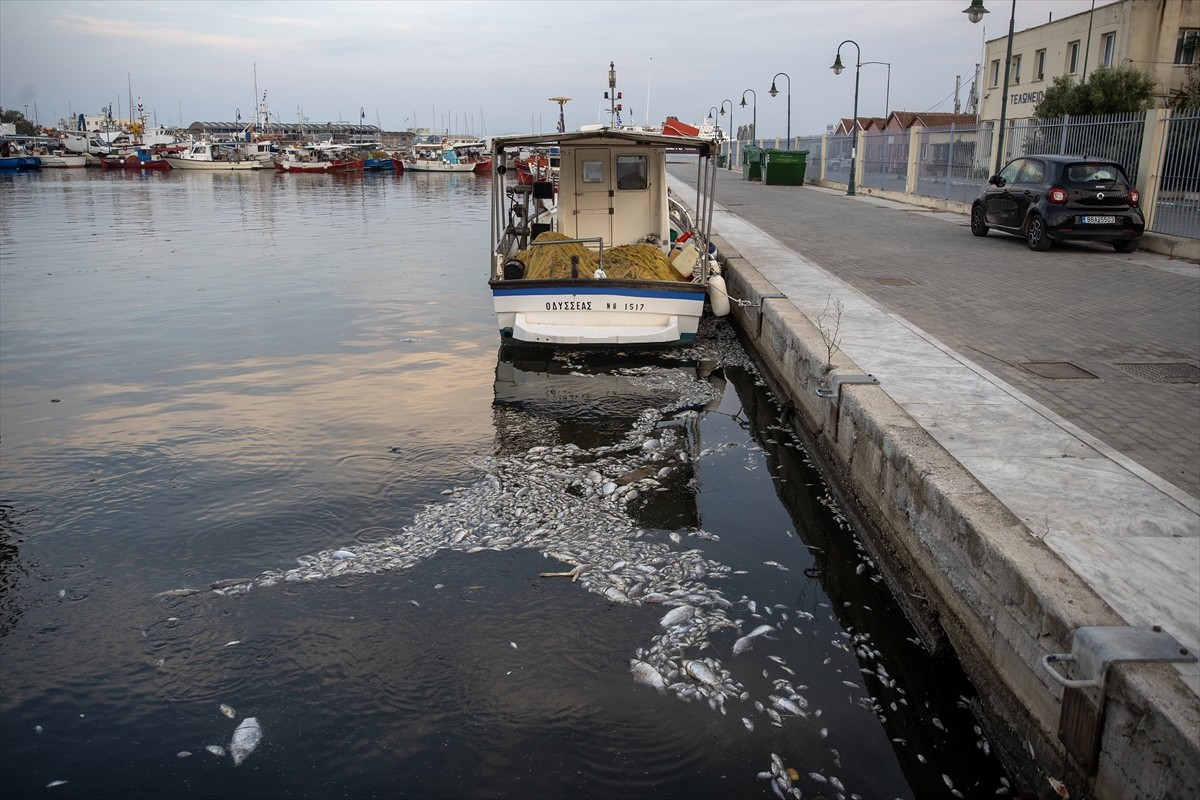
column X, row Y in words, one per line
column 178, row 592
column 344, row 554
column 183, row 754
column 676, row 616
column 760, row 630
column 645, row 674
column 703, row 673
column 216, row 750
column 52, row 784
column 245, row 738
column 227, row 710
column 742, row 645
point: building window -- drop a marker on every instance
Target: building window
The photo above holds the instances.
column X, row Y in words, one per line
column 1109, row 48
column 1073, row 57
column 1016, row 69
column 1039, row 65
column 1185, row 48
column 995, row 73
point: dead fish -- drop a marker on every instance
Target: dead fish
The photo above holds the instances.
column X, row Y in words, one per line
column 178, row 592
column 344, row 554
column 760, row 630
column 676, row 616
column 228, row 582
column 648, row 675
column 52, row 784
column 183, row 754
column 245, row 738
column 228, row 711
column 748, row 723
column 742, row 645
column 216, row 749
column 703, row 673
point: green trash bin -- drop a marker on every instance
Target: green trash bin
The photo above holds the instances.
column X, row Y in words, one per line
column 752, row 163
column 784, row 167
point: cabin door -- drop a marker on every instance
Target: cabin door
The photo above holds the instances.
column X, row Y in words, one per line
column 589, row 189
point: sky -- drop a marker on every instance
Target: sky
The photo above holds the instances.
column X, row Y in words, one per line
column 489, row 67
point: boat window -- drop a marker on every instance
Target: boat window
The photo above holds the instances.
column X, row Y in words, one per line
column 593, row 172
column 632, row 172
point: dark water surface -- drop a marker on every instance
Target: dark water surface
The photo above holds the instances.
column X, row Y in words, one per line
column 206, row 377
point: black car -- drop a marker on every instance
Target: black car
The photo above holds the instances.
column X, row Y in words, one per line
column 1052, row 198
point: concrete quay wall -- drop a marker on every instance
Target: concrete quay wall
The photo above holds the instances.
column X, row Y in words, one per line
column 972, row 575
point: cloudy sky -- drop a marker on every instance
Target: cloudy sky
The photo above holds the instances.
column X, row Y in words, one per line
column 489, row 67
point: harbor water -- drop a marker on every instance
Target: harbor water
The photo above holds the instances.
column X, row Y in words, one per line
column 262, row 456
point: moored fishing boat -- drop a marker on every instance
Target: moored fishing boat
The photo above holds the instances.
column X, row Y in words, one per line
column 320, row 157
column 140, row 158
column 434, row 154
column 594, row 263
column 214, row 156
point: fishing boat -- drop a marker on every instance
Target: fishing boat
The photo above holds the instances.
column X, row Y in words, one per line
column 138, row 159
column 319, row 157
column 214, row 156
column 435, row 154
column 611, row 258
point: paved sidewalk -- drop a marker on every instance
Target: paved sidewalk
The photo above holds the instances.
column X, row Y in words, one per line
column 1104, row 466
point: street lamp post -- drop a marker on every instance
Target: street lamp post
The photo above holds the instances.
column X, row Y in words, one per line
column 837, row 70
column 729, row 160
column 774, row 92
column 754, row 118
column 975, row 13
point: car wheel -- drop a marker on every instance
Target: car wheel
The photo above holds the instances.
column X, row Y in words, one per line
column 978, row 225
column 1035, row 234
column 1125, row 245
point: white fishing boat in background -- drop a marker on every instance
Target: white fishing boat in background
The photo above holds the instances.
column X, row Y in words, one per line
column 610, row 258
column 435, row 154
column 215, row 156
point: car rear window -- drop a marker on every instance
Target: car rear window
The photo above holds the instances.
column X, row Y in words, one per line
column 1092, row 173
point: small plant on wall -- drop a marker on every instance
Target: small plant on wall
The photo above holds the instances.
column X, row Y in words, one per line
column 829, row 323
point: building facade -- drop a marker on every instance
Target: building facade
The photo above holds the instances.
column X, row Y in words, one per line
column 1159, row 37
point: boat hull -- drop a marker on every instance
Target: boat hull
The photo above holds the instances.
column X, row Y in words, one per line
column 598, row 313
column 9, row 163
column 133, row 164
column 421, row 165
column 318, row 166
column 178, row 162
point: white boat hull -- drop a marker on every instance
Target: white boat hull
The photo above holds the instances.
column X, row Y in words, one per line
column 178, row 162
column 599, row 313
column 420, row 165
column 63, row 160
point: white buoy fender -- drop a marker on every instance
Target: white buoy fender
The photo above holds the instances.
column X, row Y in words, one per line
column 718, row 296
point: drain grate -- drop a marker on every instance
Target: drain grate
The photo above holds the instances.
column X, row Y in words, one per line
column 1167, row 372
column 1059, row 370
column 895, row 282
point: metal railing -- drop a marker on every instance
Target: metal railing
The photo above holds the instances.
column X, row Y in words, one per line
column 1177, row 195
column 1112, row 136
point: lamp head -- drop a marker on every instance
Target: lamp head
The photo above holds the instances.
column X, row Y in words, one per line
column 773, row 91
column 743, row 101
column 976, row 11
column 837, row 65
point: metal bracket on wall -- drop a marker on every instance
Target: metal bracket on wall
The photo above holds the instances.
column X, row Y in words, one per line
column 838, row 381
column 762, row 300
column 1093, row 650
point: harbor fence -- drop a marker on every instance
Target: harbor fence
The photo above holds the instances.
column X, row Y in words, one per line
column 1159, row 148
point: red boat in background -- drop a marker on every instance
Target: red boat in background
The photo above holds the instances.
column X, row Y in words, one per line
column 674, row 127
column 143, row 158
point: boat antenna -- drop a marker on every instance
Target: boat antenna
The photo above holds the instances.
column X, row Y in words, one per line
column 649, row 73
column 612, row 94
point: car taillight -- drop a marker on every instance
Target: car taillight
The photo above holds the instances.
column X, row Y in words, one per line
column 1057, row 196
column 1135, row 197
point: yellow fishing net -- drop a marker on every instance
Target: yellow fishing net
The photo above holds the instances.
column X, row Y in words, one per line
column 630, row 261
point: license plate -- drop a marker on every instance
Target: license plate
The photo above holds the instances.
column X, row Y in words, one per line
column 1098, row 220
